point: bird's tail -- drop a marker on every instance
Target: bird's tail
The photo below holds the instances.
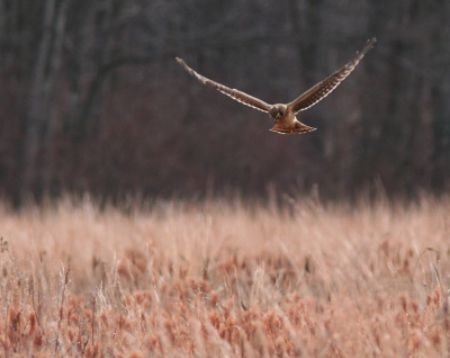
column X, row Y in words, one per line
column 297, row 128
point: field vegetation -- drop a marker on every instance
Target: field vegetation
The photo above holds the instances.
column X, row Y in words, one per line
column 226, row 279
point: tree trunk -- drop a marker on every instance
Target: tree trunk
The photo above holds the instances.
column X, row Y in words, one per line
column 39, row 109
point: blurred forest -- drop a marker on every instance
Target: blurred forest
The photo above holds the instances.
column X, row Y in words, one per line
column 92, row 101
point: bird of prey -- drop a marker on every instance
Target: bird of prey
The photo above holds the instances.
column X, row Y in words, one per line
column 284, row 115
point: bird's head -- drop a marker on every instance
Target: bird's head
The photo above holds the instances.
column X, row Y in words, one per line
column 278, row 111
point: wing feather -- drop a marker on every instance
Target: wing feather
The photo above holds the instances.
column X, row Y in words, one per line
column 233, row 93
column 322, row 89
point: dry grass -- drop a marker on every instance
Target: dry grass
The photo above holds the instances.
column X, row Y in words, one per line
column 226, row 280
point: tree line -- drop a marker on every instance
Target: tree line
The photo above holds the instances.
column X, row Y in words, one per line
column 92, row 101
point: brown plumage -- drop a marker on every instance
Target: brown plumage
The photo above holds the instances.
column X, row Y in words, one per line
column 284, row 114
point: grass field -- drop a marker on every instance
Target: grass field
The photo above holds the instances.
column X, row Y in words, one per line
column 226, row 279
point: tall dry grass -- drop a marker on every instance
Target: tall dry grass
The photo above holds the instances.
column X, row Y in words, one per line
column 226, row 279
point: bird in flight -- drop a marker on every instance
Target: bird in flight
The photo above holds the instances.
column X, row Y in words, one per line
column 284, row 115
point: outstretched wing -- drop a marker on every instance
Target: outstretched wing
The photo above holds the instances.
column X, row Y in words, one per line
column 322, row 89
column 235, row 94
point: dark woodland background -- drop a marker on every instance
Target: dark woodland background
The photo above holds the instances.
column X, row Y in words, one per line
column 92, row 101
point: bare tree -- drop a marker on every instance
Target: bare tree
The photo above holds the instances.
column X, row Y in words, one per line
column 40, row 115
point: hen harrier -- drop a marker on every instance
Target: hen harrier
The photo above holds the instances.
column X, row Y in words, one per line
column 284, row 114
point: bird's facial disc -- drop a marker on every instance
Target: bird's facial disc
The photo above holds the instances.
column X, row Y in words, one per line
column 277, row 112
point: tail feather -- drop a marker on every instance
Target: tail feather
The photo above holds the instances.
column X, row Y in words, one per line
column 297, row 128
column 303, row 128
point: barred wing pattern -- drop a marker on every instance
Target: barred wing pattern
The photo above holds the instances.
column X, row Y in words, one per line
column 235, row 94
column 322, row 89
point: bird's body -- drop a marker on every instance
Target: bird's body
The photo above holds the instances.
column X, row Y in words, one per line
column 286, row 121
column 284, row 115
